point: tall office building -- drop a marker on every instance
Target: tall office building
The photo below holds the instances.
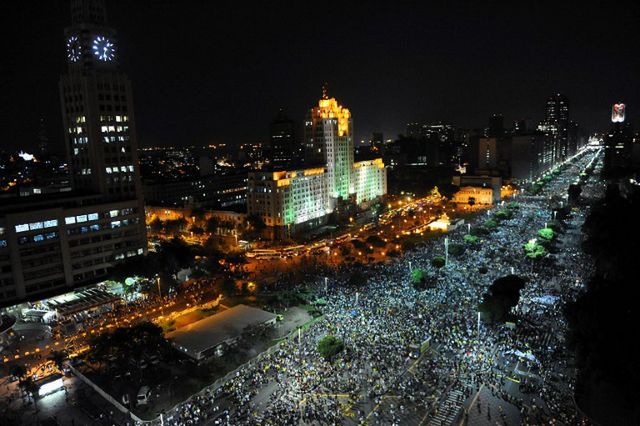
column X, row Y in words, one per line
column 496, row 126
column 97, row 108
column 284, row 149
column 51, row 243
column 557, row 115
column 618, row 144
column 329, row 141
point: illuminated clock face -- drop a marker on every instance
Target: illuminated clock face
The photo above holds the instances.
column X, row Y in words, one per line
column 103, row 48
column 73, row 49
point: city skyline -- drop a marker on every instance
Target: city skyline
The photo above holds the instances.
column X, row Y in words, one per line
column 285, row 271
column 421, row 65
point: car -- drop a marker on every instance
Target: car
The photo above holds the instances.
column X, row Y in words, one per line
column 144, row 394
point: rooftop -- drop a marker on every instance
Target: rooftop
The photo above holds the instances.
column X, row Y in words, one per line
column 210, row 332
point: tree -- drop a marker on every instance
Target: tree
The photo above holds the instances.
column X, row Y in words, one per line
column 176, row 225
column 156, row 225
column 471, row 239
column 418, row 275
column 226, row 286
column 18, row 371
column 329, row 346
column 197, row 230
column 503, row 214
column 534, row 250
column 375, row 240
column 212, row 225
column 30, row 387
column 58, row 358
column 357, row 279
column 546, row 233
column 456, row 249
column 438, row 262
column 421, row 280
column 490, row 224
column 502, row 295
column 479, row 231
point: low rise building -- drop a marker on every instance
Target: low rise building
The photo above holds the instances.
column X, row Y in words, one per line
column 207, row 337
column 474, row 195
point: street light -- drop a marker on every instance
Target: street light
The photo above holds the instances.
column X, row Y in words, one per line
column 446, row 251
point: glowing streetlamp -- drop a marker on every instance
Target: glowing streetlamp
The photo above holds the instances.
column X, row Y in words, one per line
column 446, row 251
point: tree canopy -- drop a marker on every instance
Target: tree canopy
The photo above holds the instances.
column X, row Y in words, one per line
column 438, row 262
column 501, row 296
column 329, row 346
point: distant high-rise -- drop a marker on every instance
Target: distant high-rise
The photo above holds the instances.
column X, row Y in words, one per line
column 43, row 139
column 284, row 149
column 618, row 144
column 496, row 126
column 377, row 140
column 557, row 115
column 329, row 141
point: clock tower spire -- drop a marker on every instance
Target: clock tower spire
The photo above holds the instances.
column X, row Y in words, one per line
column 97, row 108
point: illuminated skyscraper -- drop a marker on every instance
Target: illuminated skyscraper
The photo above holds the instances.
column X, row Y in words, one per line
column 557, row 115
column 97, row 108
column 329, row 141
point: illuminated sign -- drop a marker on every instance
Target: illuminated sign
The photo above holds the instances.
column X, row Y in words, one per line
column 617, row 113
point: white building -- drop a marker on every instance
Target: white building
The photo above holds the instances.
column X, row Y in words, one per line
column 289, row 201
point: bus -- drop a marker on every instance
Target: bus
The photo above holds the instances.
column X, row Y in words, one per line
column 262, row 253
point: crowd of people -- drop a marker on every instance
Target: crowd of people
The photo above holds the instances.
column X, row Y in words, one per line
column 412, row 355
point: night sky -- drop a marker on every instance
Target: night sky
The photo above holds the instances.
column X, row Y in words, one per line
column 207, row 72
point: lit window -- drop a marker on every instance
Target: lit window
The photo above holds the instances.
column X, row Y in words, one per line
column 38, row 237
column 115, row 224
column 93, row 216
column 69, row 220
column 113, row 213
column 23, row 227
column 104, row 129
column 81, row 218
column 35, row 225
column 140, row 251
column 108, row 169
column 130, row 168
column 50, row 223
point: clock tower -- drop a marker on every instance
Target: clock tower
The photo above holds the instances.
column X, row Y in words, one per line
column 97, row 108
